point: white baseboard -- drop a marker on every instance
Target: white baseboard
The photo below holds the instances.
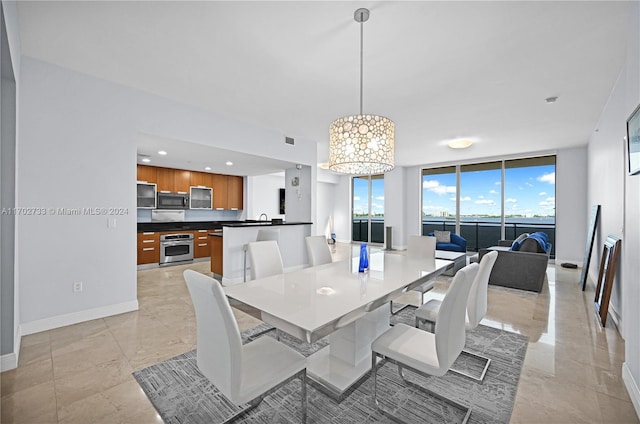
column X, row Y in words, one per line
column 9, row 361
column 77, row 317
column 632, row 387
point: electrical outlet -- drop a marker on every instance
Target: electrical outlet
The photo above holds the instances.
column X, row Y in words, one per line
column 77, row 286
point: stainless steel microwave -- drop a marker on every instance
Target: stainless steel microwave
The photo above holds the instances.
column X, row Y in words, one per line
column 173, row 201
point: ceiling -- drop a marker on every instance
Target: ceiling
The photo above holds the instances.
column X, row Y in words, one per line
column 440, row 70
column 198, row 157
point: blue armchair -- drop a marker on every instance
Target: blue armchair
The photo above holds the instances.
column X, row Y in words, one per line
column 458, row 244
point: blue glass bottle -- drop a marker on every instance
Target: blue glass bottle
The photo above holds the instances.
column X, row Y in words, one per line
column 364, row 258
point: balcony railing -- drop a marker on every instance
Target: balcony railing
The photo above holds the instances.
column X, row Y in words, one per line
column 360, row 230
column 482, row 234
column 479, row 234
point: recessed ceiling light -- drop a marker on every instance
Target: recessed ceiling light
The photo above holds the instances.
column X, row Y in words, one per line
column 145, row 160
column 551, row 99
column 207, row 168
column 229, row 163
column 162, row 152
column 460, row 143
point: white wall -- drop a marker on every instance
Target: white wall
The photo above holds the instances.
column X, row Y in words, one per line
column 77, row 148
column 619, row 195
column 572, row 209
column 326, row 201
column 263, row 195
column 10, row 91
column 342, row 209
column 299, row 200
column 394, row 206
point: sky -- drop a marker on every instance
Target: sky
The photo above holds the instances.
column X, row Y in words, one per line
column 361, row 196
column 529, row 191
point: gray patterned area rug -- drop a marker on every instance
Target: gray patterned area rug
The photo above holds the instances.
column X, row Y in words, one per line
column 181, row 395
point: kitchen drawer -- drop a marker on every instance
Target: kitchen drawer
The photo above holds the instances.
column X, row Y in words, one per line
column 201, row 249
column 148, row 236
column 149, row 254
column 148, row 247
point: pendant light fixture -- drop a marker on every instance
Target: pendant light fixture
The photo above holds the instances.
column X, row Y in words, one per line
column 361, row 144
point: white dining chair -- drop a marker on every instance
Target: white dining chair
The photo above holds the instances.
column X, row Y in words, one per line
column 265, row 259
column 243, row 374
column 422, row 248
column 427, row 353
column 476, row 308
column 318, row 250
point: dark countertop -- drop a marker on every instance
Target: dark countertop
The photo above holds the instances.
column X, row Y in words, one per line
column 262, row 224
column 207, row 225
column 179, row 226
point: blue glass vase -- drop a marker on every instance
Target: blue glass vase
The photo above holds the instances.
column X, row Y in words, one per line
column 364, row 258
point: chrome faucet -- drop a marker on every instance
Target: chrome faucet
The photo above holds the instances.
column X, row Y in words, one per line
column 265, row 217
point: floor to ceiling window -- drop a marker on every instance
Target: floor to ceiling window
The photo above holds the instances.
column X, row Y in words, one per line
column 481, row 203
column 368, row 208
column 530, row 197
column 486, row 202
column 439, row 199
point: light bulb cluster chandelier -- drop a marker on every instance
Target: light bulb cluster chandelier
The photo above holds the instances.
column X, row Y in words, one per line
column 361, row 144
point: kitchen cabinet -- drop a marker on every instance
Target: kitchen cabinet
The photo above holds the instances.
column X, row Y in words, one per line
column 216, row 254
column 181, row 180
column 200, row 179
column 235, row 192
column 165, row 180
column 148, row 174
column 219, row 184
column 148, row 248
column 201, row 246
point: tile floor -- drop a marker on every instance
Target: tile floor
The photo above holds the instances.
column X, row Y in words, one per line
column 82, row 373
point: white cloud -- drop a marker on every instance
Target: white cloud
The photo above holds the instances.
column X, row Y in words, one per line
column 528, row 184
column 437, row 188
column 379, row 197
column 497, row 183
column 493, row 192
column 430, row 184
column 434, row 208
column 542, row 193
column 485, row 202
column 356, row 198
column 548, row 178
column 465, row 199
column 510, row 200
column 480, row 197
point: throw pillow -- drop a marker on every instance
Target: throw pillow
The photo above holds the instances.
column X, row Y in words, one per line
column 518, row 242
column 442, row 236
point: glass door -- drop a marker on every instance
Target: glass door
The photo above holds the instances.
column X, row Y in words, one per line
column 367, row 208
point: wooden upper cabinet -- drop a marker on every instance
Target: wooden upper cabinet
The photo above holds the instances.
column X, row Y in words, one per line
column 182, row 180
column 235, row 192
column 198, row 179
column 147, row 173
column 219, row 184
column 165, row 180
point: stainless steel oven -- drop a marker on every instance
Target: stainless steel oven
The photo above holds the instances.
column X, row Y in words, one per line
column 176, row 248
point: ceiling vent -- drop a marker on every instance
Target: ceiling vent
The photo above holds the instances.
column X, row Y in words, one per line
column 289, row 140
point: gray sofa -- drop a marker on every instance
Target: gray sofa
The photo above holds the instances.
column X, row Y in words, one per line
column 524, row 269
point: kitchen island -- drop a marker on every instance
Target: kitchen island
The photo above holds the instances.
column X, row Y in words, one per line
column 236, row 235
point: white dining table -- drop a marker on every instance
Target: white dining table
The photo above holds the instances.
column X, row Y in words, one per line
column 336, row 300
